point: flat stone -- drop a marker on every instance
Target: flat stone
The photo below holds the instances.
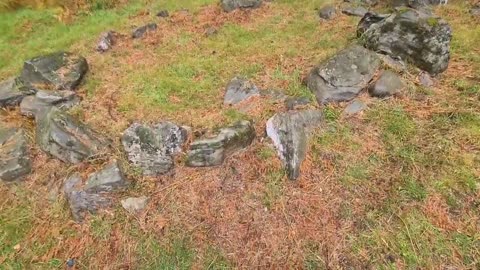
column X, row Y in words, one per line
column 388, row 84
column 135, row 205
column 231, row 5
column 12, row 92
column 141, row 31
column 110, row 178
column 355, row 107
column 15, row 162
column 213, row 151
column 43, row 101
column 238, row 90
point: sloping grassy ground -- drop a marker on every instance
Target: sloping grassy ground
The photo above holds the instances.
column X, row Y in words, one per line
column 394, row 188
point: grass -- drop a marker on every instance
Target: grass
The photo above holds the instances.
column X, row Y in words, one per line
column 395, row 187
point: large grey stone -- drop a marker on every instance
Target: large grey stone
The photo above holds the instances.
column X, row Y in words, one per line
column 213, row 151
column 110, row 178
column 231, row 5
column 388, row 84
column 289, row 132
column 12, row 92
column 15, row 162
column 342, row 77
column 60, row 71
column 238, row 90
column 411, row 35
column 64, row 137
column 43, row 101
column 151, row 148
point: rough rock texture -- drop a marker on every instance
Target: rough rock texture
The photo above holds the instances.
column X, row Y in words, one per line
column 12, row 92
column 213, row 151
column 151, row 147
column 418, row 3
column 65, row 138
column 60, row 71
column 355, row 107
column 289, row 132
column 327, row 12
column 135, row 205
column 238, row 90
column 106, row 41
column 231, row 5
column 355, row 11
column 14, row 160
column 140, row 32
column 413, row 36
column 388, row 84
column 43, row 101
column 108, row 179
column 342, row 77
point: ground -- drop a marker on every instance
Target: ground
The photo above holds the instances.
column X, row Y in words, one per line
column 396, row 187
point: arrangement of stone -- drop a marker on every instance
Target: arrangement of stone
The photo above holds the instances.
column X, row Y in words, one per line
column 14, row 160
column 231, row 5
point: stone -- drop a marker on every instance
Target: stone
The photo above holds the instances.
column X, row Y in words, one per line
column 425, row 79
column 110, row 178
column 343, row 76
column 12, row 92
column 394, row 64
column 62, row 136
column 387, row 85
column 211, row 31
column 355, row 107
column 475, row 11
column 213, row 151
column 293, row 103
column 238, row 90
column 43, row 101
column 135, row 205
column 15, row 162
column 141, row 31
column 151, row 148
column 106, row 42
column 364, row 2
column 274, row 95
column 231, row 5
column 289, row 132
column 60, row 71
column 413, row 36
column 367, row 20
column 327, row 12
column 163, row 13
column 355, row 11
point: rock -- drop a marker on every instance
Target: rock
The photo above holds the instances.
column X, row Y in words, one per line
column 342, row 77
column 60, row 71
column 135, row 205
column 106, row 42
column 12, row 92
column 425, row 79
column 231, row 5
column 355, row 107
column 364, row 2
column 368, row 19
column 15, row 162
column 140, row 32
column 327, row 12
column 424, row 3
column 289, row 132
column 163, row 13
column 293, row 103
column 388, row 84
column 213, row 151
column 239, row 90
column 394, row 64
column 355, row 11
column 108, row 179
column 413, row 36
column 151, row 147
column 475, row 11
column 45, row 100
column 275, row 95
column 65, row 138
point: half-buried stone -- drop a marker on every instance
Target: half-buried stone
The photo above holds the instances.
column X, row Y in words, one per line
column 238, row 90
column 289, row 132
column 342, row 77
column 43, row 101
column 12, row 91
column 59, row 71
column 387, row 85
column 151, row 148
column 411, row 35
column 15, row 162
column 231, row 5
column 64, row 137
column 213, row 151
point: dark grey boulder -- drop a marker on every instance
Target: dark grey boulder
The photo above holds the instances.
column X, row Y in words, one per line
column 231, row 5
column 151, row 148
column 213, row 151
column 355, row 107
column 238, row 90
column 43, row 101
column 387, row 85
column 60, row 71
column 289, row 132
column 342, row 77
column 411, row 35
column 141, row 31
column 64, row 137
column 12, row 92
column 106, row 41
column 327, row 12
column 355, row 11
column 109, row 178
column 15, row 162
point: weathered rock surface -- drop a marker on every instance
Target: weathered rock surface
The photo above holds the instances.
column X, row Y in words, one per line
column 15, row 162
column 151, row 148
column 355, row 11
column 108, row 179
column 141, row 31
column 411, row 35
column 388, row 84
column 60, row 71
column 327, row 12
column 43, row 101
column 418, row 3
column 238, row 90
column 342, row 77
column 231, row 5
column 213, row 151
column 289, row 132
column 355, row 107
column 106, row 42
column 135, row 205
column 62, row 136
column 12, row 92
